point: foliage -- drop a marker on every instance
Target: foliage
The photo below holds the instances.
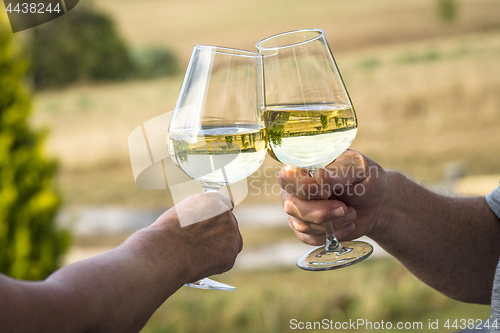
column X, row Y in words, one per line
column 154, row 61
column 181, row 149
column 447, row 10
column 324, row 122
column 229, row 142
column 275, row 126
column 84, row 45
column 30, row 243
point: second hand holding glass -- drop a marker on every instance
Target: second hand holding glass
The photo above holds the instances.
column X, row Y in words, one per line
column 310, row 121
column 217, row 134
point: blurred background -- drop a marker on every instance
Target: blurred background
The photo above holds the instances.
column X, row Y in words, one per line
column 423, row 75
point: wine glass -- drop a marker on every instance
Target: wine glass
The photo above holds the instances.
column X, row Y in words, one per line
column 310, row 121
column 217, row 133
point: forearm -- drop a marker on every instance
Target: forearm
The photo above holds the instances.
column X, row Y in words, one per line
column 119, row 290
column 114, row 292
column 450, row 243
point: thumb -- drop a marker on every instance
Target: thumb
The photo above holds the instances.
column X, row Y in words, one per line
column 349, row 168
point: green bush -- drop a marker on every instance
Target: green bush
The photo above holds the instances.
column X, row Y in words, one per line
column 82, row 45
column 30, row 243
column 154, row 61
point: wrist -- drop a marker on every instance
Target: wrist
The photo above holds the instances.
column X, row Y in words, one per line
column 164, row 252
column 389, row 210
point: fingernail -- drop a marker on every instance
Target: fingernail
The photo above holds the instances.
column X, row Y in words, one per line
column 349, row 228
column 350, row 216
column 288, row 207
column 338, row 212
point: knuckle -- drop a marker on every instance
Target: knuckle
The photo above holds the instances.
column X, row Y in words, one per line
column 321, row 216
column 229, row 266
column 300, row 226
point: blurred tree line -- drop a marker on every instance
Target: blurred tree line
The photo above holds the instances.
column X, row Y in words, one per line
column 30, row 242
column 84, row 46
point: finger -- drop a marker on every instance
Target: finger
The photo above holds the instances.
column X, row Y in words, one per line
column 346, row 230
column 315, row 240
column 234, row 226
column 310, row 228
column 350, row 177
column 349, row 168
column 300, row 183
column 320, row 239
column 240, row 237
column 305, row 227
column 316, row 211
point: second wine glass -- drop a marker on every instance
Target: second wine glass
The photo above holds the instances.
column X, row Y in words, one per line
column 310, row 121
column 217, row 134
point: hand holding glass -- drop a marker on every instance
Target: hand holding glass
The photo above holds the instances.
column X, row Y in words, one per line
column 217, row 134
column 310, row 121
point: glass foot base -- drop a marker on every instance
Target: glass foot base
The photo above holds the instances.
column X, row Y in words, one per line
column 207, row 283
column 319, row 260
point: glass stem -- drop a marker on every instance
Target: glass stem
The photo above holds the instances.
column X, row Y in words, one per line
column 214, row 187
column 332, row 244
column 210, row 187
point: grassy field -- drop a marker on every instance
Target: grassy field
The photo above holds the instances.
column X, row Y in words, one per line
column 426, row 94
column 376, row 290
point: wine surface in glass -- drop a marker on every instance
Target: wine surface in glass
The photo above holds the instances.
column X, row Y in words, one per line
column 240, row 149
column 309, row 136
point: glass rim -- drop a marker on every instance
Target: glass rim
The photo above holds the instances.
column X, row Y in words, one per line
column 320, row 33
column 228, row 51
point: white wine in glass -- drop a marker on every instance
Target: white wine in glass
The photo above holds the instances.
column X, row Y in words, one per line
column 310, row 121
column 217, row 132
column 209, row 160
column 307, row 136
